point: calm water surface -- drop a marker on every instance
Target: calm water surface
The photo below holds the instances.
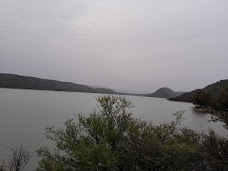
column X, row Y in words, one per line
column 24, row 114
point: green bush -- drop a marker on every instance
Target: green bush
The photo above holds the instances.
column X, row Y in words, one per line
column 111, row 139
column 215, row 151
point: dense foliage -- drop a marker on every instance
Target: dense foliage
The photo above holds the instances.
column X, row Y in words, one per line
column 202, row 99
column 214, row 89
column 221, row 103
column 216, row 105
column 206, row 99
column 111, row 139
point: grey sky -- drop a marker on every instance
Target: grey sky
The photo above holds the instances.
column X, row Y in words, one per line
column 126, row 44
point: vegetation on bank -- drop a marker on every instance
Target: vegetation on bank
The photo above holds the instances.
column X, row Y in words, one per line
column 111, row 139
column 218, row 106
column 214, row 89
column 211, row 99
column 33, row 83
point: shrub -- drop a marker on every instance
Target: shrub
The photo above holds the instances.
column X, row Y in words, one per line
column 112, row 139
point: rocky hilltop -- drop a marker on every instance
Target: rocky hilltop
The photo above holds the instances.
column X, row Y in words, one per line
column 25, row 82
column 164, row 92
column 213, row 89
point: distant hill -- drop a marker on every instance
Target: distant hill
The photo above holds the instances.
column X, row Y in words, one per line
column 164, row 92
column 25, row 82
column 212, row 88
column 124, row 91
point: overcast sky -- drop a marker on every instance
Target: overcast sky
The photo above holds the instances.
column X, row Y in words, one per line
column 137, row 45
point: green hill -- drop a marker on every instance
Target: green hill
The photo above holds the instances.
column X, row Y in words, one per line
column 214, row 89
column 25, row 82
column 164, row 92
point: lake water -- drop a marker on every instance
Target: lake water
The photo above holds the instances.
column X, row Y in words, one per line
column 24, row 114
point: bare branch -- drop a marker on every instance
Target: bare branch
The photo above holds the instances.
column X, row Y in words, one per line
column 19, row 159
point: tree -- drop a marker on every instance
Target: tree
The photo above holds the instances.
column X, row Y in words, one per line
column 111, row 139
column 215, row 151
column 2, row 166
column 223, row 100
column 219, row 106
column 18, row 160
column 202, row 99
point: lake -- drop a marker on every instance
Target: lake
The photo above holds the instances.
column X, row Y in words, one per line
column 24, row 114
